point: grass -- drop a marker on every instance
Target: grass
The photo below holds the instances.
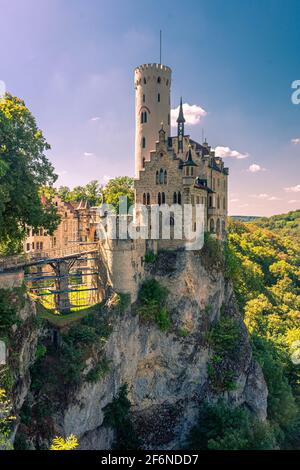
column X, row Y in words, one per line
column 60, row 320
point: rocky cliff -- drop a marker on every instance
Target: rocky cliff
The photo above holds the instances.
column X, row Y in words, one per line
column 168, row 373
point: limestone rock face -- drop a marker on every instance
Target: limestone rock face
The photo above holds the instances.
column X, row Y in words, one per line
column 166, row 373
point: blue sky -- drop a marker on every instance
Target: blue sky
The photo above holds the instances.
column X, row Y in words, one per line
column 72, row 62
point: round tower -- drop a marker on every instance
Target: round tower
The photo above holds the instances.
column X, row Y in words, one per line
column 152, row 107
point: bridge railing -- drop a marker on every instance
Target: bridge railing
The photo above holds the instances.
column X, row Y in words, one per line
column 11, row 262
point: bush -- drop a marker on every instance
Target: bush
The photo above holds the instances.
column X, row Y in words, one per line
column 221, row 427
column 150, row 257
column 152, row 299
column 99, row 371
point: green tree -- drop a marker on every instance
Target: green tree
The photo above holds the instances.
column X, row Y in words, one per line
column 117, row 187
column 24, row 169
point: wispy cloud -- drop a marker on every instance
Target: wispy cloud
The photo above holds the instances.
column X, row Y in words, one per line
column 88, row 154
column 255, row 168
column 95, row 118
column 228, row 152
column 265, row 197
column 234, row 200
column 293, row 189
column 294, row 201
column 295, row 141
column 192, row 114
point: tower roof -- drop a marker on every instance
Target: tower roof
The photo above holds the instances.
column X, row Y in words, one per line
column 180, row 115
column 189, row 159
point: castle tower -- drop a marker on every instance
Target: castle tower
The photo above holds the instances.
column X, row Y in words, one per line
column 152, row 108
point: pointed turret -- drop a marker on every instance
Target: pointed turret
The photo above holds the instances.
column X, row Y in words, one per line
column 180, row 128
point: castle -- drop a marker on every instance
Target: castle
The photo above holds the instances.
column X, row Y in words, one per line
column 174, row 169
column 169, row 171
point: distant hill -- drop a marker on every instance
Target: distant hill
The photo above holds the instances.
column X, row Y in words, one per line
column 284, row 224
column 244, row 218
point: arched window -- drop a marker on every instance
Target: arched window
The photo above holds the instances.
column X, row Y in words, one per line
column 172, row 221
column 218, row 202
column 144, row 199
column 159, row 199
column 175, row 198
column 165, row 177
column 144, row 142
column 179, row 198
column 212, row 225
column 223, row 227
column 148, row 199
column 161, row 176
column 163, row 198
column 145, row 116
column 158, row 97
column 158, row 79
column 157, row 177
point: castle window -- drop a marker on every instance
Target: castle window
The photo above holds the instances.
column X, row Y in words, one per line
column 179, row 197
column 167, row 82
column 144, row 98
column 144, row 142
column 187, row 171
column 158, row 79
column 172, row 221
column 145, row 116
column 144, row 199
column 148, row 199
column 224, row 203
column 163, row 198
column 218, row 202
column 165, row 177
column 27, row 246
column 157, row 177
column 223, row 227
column 210, row 201
column 195, row 226
column 143, row 162
column 161, row 176
column 175, row 198
column 159, row 199
column 145, row 81
column 192, row 171
column 212, row 225
column 158, row 97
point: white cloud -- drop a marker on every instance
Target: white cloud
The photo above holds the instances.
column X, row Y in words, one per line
column 295, row 141
column 96, row 118
column 88, row 154
column 255, row 168
column 260, row 196
column 234, row 200
column 293, row 201
column 192, row 114
column 274, row 198
column 293, row 189
column 228, row 152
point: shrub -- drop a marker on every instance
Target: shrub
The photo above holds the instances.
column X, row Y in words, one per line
column 222, row 427
column 99, row 371
column 152, row 299
column 150, row 257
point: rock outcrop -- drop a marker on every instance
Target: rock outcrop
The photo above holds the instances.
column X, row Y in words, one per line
column 166, row 372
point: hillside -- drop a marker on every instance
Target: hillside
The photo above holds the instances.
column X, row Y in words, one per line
column 263, row 260
column 283, row 224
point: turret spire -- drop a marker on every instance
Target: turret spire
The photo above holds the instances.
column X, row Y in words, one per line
column 180, row 128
